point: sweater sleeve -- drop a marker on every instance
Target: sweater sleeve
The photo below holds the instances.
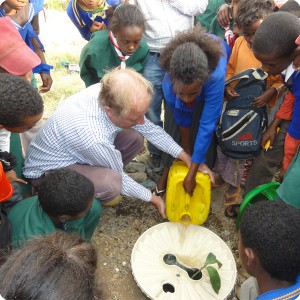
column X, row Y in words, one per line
column 212, row 93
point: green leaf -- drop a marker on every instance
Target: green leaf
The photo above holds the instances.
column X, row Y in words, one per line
column 211, row 259
column 215, row 279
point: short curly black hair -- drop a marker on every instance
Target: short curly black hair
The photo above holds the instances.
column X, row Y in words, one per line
column 190, row 56
column 65, row 192
column 272, row 230
column 18, row 100
column 277, row 34
column 249, row 12
column 291, row 6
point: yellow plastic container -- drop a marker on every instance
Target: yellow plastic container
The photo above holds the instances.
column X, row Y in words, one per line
column 180, row 206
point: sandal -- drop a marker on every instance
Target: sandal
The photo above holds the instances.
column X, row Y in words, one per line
column 158, row 192
column 232, row 211
column 230, row 199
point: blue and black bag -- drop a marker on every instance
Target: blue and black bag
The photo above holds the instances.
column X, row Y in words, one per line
column 241, row 124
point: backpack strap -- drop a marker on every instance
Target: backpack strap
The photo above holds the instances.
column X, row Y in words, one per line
column 257, row 73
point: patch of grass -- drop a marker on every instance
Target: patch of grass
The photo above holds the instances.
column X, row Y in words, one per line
column 60, row 5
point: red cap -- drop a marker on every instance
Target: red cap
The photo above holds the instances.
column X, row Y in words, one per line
column 15, row 56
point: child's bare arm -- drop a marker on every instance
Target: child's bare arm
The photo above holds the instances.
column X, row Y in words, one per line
column 264, row 98
column 46, row 78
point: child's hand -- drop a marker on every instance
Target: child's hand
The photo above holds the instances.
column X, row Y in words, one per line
column 189, row 184
column 230, row 93
column 269, row 134
column 96, row 26
column 12, row 177
column 264, row 98
column 47, row 83
column 224, row 15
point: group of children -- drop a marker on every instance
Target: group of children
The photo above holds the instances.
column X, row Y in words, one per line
column 197, row 65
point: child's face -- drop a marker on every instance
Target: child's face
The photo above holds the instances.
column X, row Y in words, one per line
column 129, row 39
column 249, row 32
column 272, row 64
column 189, row 92
column 91, row 4
column 16, row 4
column 28, row 123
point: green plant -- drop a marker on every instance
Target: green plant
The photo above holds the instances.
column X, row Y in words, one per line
column 214, row 276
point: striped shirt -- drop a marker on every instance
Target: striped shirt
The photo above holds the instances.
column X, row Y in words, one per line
column 79, row 132
column 165, row 18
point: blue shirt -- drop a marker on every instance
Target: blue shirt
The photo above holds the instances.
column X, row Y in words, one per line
column 212, row 94
column 289, row 293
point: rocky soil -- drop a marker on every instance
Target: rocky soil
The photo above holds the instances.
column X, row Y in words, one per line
column 122, row 225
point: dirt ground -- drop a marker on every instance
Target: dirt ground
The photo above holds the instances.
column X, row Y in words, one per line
column 121, row 226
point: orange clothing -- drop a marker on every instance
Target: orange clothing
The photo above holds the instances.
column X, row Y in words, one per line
column 286, row 108
column 6, row 189
column 242, row 58
column 290, row 148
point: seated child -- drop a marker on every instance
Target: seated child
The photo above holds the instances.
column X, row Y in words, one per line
column 90, row 16
column 65, row 202
column 250, row 15
column 57, row 266
column 122, row 46
column 269, row 245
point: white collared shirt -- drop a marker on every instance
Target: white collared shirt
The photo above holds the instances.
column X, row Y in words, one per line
column 288, row 71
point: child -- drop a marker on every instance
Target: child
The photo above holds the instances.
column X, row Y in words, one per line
column 281, row 53
column 57, row 266
column 193, row 91
column 249, row 16
column 90, row 16
column 65, row 201
column 122, row 45
column 269, row 248
column 15, row 58
column 223, row 24
column 21, row 14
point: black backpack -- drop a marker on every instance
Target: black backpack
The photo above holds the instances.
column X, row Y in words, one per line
column 241, row 125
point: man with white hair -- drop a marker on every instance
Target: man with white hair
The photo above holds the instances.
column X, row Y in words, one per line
column 98, row 131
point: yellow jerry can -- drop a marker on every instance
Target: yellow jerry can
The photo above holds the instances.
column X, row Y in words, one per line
column 180, row 206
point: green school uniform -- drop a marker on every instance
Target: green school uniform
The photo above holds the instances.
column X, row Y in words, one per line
column 211, row 10
column 28, row 220
column 99, row 55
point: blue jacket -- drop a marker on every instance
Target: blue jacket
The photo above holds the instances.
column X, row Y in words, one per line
column 294, row 128
column 83, row 20
column 212, row 94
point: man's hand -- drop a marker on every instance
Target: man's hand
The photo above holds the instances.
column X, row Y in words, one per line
column 224, row 15
column 203, row 168
column 185, row 157
column 230, row 93
column 159, row 203
column 12, row 177
column 47, row 83
column 96, row 26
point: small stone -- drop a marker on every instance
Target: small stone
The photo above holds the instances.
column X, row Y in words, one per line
column 124, row 263
column 117, row 270
column 134, row 167
column 104, row 264
column 149, row 184
column 139, row 177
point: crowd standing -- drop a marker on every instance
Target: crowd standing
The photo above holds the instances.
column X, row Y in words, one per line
column 142, row 56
